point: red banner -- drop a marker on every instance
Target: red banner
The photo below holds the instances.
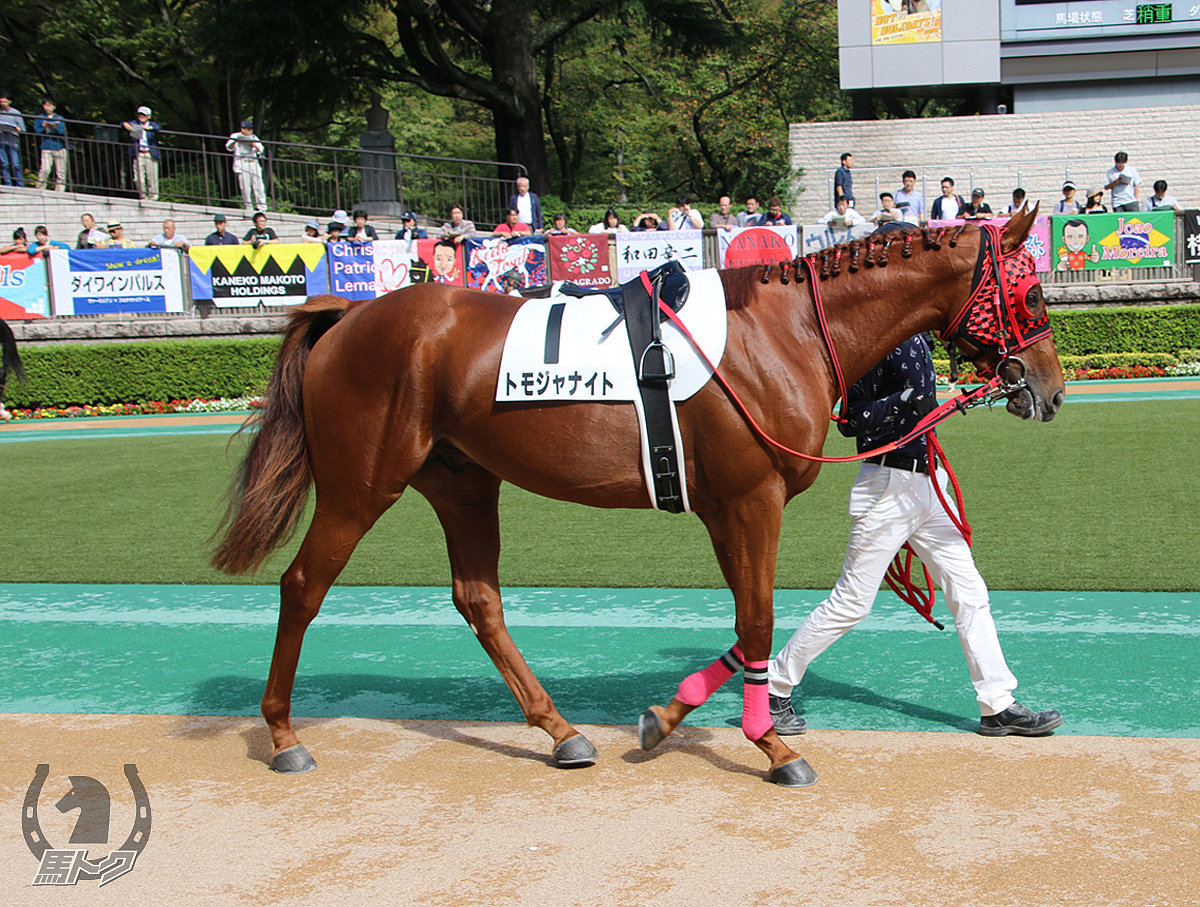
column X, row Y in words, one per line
column 438, row 262
column 581, row 258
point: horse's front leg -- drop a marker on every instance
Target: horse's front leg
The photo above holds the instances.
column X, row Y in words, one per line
column 465, row 497
column 745, row 538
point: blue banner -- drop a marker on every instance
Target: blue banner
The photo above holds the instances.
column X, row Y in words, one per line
column 111, row 281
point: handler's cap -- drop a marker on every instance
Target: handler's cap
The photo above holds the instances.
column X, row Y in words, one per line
column 145, row 110
column 1068, row 185
column 218, row 218
column 976, row 191
column 112, row 224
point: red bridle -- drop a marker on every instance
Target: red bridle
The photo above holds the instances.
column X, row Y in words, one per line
column 998, row 314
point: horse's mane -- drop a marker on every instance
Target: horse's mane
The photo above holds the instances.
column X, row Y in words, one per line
column 864, row 253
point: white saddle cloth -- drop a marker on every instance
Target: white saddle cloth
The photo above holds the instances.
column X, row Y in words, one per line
column 591, row 367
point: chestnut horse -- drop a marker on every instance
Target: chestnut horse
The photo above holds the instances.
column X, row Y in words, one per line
column 370, row 398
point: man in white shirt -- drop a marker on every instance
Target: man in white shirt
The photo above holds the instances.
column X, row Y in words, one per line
column 1123, row 180
column 169, row 239
column 842, row 217
column 1160, row 201
column 910, row 202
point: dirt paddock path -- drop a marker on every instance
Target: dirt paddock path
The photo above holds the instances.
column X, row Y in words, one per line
column 449, row 814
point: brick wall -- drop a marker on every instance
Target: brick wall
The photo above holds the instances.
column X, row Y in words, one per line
column 1038, row 149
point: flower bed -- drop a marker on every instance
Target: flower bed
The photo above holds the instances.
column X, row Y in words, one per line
column 151, row 408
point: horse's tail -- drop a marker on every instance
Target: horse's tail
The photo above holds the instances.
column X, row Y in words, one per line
column 10, row 359
column 269, row 488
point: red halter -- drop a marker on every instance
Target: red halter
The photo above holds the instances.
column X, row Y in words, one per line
column 1002, row 320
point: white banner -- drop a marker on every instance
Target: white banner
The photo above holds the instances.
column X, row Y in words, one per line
column 820, row 237
column 645, row 251
column 111, row 281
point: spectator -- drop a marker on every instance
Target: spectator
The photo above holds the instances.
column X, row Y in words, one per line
column 843, row 182
column 1019, row 203
column 459, row 228
column 43, row 243
column 1068, row 203
column 1095, row 202
column 723, row 218
column 560, row 227
column 775, row 214
column 20, row 242
column 12, row 124
column 648, row 220
column 219, row 236
column 312, row 232
column 116, row 237
column 342, row 218
column 910, row 202
column 1160, row 200
column 842, row 217
column 513, row 226
column 143, row 149
column 408, row 228
column 529, row 209
column 887, row 212
column 362, row 231
column 51, row 131
column 90, row 236
column 682, row 217
column 260, row 234
column 612, row 223
column 248, row 151
column 949, row 205
column 978, row 209
column 1124, row 181
column 334, row 232
column 751, row 216
column 169, row 239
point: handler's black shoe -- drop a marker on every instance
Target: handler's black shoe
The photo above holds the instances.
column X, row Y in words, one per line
column 787, row 722
column 1019, row 720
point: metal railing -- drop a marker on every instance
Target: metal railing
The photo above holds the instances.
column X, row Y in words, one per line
column 304, row 179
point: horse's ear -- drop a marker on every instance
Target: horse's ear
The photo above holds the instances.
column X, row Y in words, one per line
column 1017, row 229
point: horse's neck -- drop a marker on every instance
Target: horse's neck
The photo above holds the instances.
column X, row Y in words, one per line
column 871, row 314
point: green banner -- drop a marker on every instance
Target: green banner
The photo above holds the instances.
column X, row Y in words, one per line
column 1126, row 239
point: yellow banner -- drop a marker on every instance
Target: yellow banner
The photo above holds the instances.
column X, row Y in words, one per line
column 906, row 21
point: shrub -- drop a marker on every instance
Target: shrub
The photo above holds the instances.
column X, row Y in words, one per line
column 1150, row 329
column 103, row 373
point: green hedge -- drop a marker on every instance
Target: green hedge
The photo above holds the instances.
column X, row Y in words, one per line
column 68, row 375
column 1148, row 329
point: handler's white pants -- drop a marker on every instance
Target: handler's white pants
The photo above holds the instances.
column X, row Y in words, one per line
column 889, row 507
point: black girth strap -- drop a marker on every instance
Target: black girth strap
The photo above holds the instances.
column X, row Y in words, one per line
column 655, row 368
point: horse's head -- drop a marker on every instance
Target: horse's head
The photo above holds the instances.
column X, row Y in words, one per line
column 1004, row 328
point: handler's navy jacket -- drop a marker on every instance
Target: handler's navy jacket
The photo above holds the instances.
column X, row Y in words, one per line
column 875, row 415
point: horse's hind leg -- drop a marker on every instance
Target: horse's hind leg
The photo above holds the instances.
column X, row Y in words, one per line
column 327, row 546
column 466, row 497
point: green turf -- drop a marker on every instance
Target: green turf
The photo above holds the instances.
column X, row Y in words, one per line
column 1107, row 497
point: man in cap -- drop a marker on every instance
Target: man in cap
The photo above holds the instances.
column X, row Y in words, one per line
column 143, row 148
column 116, row 237
column 408, row 228
column 220, row 236
column 978, row 209
column 248, row 151
column 1068, row 204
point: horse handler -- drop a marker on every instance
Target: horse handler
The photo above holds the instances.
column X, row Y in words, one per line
column 893, row 501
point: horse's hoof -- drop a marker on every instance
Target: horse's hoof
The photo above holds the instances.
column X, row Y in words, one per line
column 793, row 774
column 650, row 730
column 577, row 750
column 295, row 760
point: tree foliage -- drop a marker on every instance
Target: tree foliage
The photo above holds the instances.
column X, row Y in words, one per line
column 601, row 100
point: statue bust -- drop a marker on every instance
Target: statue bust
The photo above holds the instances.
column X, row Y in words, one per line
column 377, row 116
